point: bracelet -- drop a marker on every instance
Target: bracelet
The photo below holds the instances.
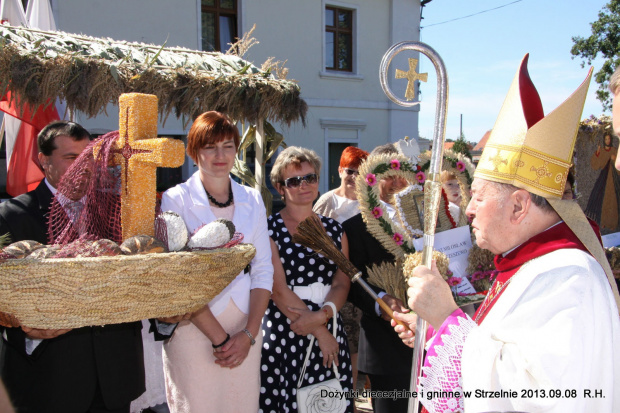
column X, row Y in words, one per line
column 222, row 343
column 252, row 341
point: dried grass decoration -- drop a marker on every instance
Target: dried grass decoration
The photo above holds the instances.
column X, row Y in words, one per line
column 88, row 73
column 311, row 234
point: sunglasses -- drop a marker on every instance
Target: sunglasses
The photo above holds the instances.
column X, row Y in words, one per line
column 351, row 172
column 295, row 181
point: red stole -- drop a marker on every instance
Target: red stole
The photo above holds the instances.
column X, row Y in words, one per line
column 557, row 237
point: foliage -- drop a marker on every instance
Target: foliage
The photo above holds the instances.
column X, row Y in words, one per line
column 461, row 146
column 273, row 140
column 605, row 39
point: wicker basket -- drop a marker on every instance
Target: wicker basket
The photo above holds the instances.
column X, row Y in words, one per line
column 78, row 292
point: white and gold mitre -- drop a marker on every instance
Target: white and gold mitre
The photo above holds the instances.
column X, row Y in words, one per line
column 528, row 149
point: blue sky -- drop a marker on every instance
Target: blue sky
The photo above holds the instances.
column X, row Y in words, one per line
column 482, row 53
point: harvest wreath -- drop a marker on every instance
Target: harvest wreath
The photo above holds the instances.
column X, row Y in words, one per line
column 397, row 234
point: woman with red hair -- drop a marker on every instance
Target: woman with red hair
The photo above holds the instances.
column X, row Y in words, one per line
column 212, row 360
column 341, row 203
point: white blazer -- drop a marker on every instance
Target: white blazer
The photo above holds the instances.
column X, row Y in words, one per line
column 189, row 200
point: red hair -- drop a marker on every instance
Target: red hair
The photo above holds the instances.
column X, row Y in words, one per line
column 352, row 157
column 209, row 128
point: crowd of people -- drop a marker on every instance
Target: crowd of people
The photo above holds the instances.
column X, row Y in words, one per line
column 549, row 324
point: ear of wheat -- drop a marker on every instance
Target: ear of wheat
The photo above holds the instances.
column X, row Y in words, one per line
column 311, row 234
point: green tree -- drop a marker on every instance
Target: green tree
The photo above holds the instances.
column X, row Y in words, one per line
column 605, row 39
column 461, row 146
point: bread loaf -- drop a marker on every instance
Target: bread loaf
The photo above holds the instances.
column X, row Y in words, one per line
column 142, row 244
column 45, row 252
column 101, row 248
column 22, row 249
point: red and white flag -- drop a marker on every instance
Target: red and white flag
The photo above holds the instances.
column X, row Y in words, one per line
column 21, row 129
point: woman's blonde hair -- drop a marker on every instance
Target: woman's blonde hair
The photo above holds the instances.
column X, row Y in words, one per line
column 294, row 155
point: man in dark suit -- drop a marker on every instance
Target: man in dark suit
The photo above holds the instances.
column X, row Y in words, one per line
column 90, row 369
column 381, row 353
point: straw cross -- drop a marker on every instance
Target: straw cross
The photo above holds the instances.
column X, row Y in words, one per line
column 411, row 76
column 140, row 152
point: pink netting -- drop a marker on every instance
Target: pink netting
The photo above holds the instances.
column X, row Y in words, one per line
column 87, row 204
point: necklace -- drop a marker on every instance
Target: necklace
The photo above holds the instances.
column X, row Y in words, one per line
column 219, row 204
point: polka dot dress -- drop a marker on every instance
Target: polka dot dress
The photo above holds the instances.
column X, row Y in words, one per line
column 284, row 351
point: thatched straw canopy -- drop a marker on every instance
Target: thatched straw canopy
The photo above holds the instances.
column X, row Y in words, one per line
column 89, row 73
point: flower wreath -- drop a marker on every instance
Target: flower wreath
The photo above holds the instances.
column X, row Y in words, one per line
column 388, row 232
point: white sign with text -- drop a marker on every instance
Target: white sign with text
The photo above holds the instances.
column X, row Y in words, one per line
column 455, row 243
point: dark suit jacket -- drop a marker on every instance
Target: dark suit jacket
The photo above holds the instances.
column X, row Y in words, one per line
column 63, row 374
column 381, row 352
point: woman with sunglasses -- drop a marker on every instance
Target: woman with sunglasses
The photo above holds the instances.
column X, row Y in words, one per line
column 212, row 360
column 341, row 203
column 308, row 291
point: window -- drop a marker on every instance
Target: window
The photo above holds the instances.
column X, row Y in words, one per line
column 338, row 39
column 219, row 24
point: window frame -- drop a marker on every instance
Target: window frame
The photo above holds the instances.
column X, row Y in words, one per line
column 337, row 31
column 218, row 11
column 334, row 73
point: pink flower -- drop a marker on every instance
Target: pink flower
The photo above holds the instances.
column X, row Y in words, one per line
column 398, row 238
column 452, row 281
column 460, row 166
column 420, row 177
column 395, row 164
column 377, row 212
column 478, row 275
column 371, row 179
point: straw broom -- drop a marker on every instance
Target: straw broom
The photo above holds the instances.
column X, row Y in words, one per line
column 311, row 234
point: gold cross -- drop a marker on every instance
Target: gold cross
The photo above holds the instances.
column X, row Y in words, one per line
column 411, row 76
column 140, row 152
column 497, row 161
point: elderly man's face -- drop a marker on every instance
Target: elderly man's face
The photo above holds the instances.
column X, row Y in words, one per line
column 616, row 121
column 489, row 211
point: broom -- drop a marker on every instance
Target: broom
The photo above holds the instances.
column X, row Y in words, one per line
column 311, row 234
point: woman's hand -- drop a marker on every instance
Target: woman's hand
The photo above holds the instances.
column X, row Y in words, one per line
column 329, row 347
column 308, row 320
column 234, row 352
column 175, row 319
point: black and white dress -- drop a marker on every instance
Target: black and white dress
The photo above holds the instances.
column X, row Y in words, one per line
column 284, row 351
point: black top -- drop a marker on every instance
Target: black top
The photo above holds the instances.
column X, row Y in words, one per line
column 381, row 352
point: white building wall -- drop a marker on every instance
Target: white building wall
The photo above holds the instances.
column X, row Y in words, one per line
column 345, row 108
column 174, row 22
